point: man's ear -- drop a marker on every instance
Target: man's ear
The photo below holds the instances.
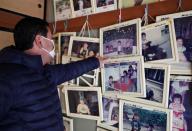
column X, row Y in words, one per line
column 37, row 41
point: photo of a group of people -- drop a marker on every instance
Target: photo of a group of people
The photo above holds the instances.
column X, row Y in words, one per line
column 122, row 76
column 120, row 41
column 83, row 102
column 157, row 43
column 140, row 118
column 180, row 101
column 110, row 111
column 183, row 32
column 82, row 48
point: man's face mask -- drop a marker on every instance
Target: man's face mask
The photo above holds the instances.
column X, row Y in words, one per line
column 49, row 46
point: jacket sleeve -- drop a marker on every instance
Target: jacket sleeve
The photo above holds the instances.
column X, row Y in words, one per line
column 64, row 72
column 5, row 100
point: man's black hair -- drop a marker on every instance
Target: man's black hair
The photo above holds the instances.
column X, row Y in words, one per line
column 26, row 30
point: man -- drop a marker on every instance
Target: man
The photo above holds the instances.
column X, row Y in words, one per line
column 28, row 95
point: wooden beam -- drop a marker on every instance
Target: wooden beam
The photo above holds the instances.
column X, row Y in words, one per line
column 108, row 18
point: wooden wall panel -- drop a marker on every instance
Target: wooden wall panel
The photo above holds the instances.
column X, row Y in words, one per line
column 108, row 18
column 28, row 7
column 6, row 39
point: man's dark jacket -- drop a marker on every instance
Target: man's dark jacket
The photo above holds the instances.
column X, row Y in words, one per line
column 28, row 95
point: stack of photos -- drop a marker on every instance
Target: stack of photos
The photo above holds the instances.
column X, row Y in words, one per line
column 62, row 9
column 180, row 101
column 158, row 43
column 104, row 5
column 121, row 39
column 183, row 32
column 68, row 124
column 84, row 102
column 139, row 117
column 81, row 7
column 110, row 113
column 124, row 76
column 131, row 3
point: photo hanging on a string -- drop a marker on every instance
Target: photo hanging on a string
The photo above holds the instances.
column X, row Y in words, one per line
column 104, row 5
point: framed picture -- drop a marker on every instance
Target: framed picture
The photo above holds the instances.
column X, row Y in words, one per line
column 83, row 47
column 158, row 42
column 135, row 117
column 68, row 124
column 110, row 113
column 81, row 7
column 121, row 40
column 104, row 5
column 157, row 82
column 131, row 3
column 124, row 76
column 84, row 102
column 180, row 101
column 62, row 46
column 183, row 32
column 62, row 9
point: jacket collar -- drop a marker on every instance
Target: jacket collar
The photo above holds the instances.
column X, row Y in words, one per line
column 12, row 55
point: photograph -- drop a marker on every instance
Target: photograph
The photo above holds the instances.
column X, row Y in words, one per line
column 81, row 7
column 89, row 79
column 68, row 124
column 140, row 117
column 183, row 33
column 121, row 39
column 180, row 101
column 158, row 43
column 104, row 5
column 62, row 10
column 132, row 3
column 110, row 113
column 83, row 47
column 84, row 102
column 124, row 76
column 56, row 59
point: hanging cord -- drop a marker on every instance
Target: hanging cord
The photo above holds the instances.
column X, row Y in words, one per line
column 65, row 24
column 54, row 26
column 146, row 16
column 180, row 8
column 86, row 25
column 120, row 16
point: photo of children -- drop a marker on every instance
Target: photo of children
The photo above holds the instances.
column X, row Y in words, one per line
column 83, row 102
column 65, row 44
column 62, row 9
column 84, row 49
column 121, row 41
column 111, row 112
column 137, row 118
column 156, row 43
column 122, row 76
column 154, row 79
column 180, row 102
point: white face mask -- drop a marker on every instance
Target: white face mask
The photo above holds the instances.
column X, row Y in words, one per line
column 52, row 52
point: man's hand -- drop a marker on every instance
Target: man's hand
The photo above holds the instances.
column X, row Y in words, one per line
column 102, row 61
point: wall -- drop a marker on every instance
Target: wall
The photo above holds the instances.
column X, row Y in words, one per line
column 6, row 39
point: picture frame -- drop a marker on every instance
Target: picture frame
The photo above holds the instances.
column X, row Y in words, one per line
column 81, row 8
column 132, row 3
column 110, row 113
column 121, row 39
column 62, row 10
column 104, row 6
column 157, row 77
column 83, row 47
column 180, row 95
column 124, row 76
column 161, row 47
column 62, row 40
column 182, row 22
column 102, row 129
column 132, row 117
column 77, row 102
column 68, row 124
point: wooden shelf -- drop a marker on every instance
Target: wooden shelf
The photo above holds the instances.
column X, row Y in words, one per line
column 108, row 18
